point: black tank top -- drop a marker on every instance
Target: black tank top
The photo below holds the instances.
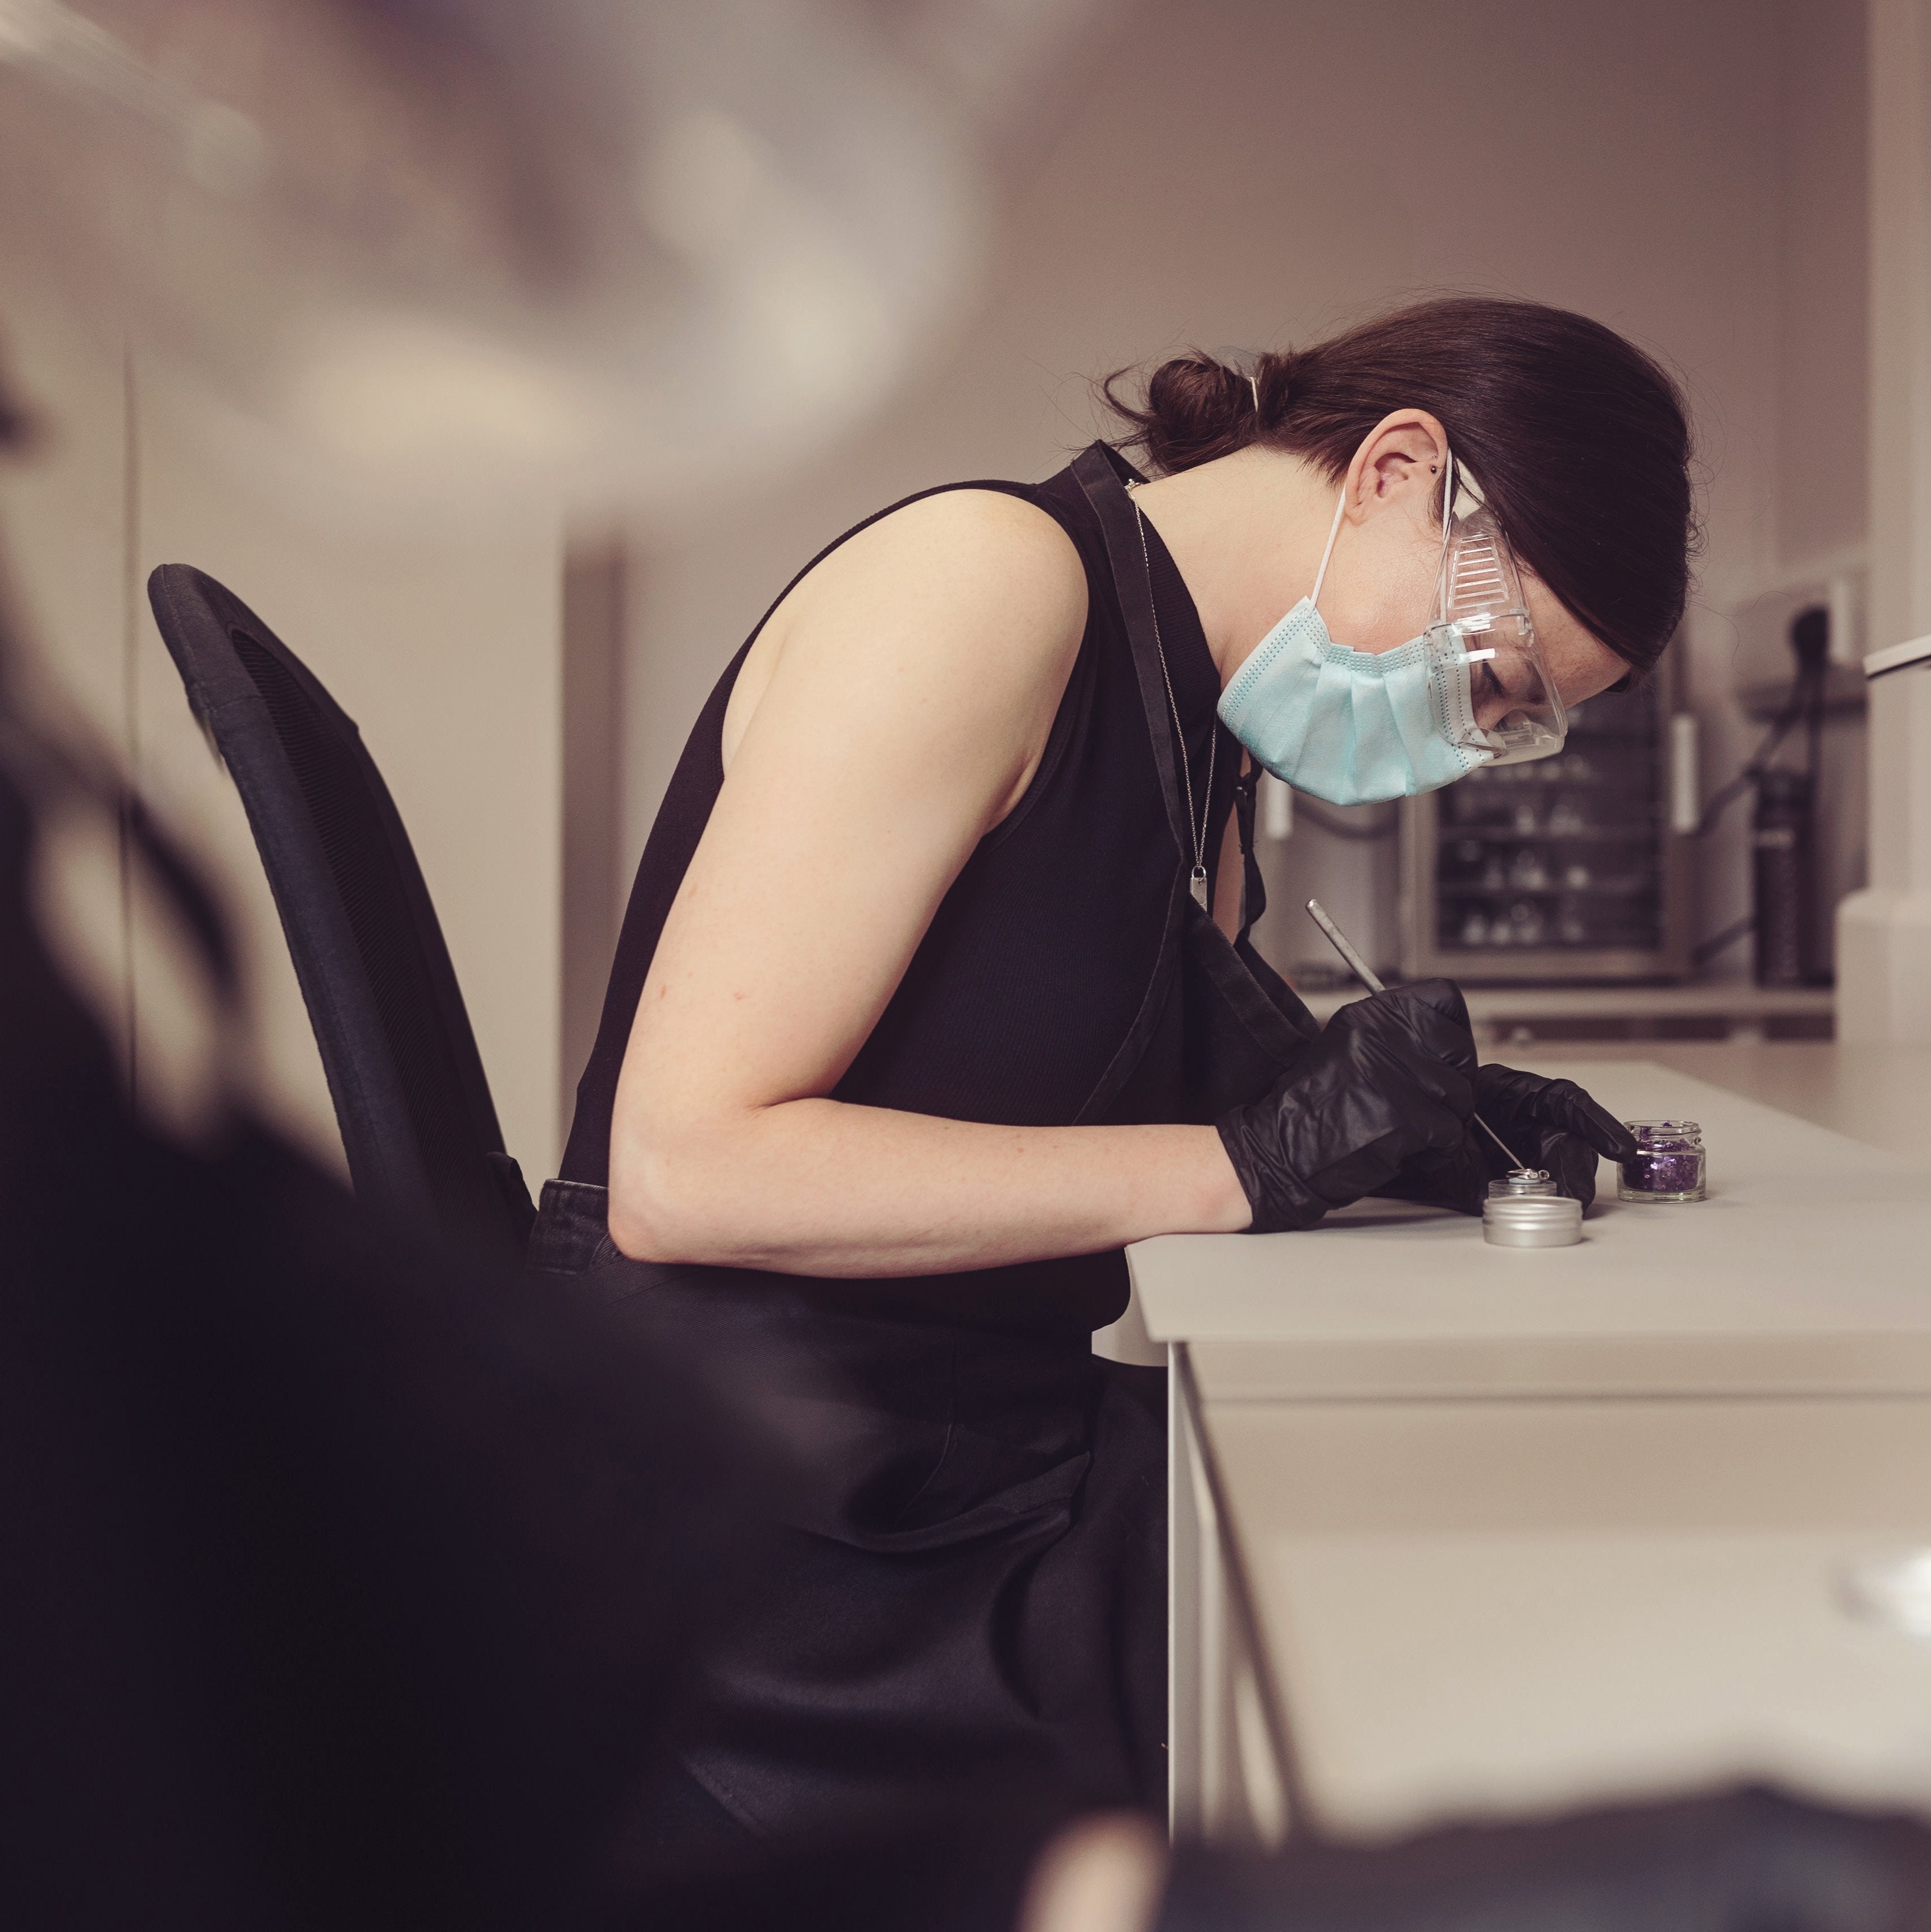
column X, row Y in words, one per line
column 1039, row 960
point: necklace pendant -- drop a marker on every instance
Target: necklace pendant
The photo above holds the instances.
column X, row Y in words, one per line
column 1197, row 885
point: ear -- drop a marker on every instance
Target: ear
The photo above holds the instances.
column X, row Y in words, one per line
column 1401, row 463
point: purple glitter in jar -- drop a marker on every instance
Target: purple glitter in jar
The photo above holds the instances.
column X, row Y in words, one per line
column 1668, row 1163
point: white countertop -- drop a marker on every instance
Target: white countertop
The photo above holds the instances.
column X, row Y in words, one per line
column 1525, row 1530
column 1517, row 1606
column 1809, row 1243
column 1880, row 1094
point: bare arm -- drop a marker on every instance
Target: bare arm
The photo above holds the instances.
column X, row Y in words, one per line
column 895, row 713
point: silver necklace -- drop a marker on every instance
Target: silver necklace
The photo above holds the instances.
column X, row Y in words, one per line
column 1196, row 826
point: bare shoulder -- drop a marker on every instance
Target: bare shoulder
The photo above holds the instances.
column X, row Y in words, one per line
column 968, row 587
column 984, row 522
column 990, row 549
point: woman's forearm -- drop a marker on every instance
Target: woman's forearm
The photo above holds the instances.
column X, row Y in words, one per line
column 823, row 1187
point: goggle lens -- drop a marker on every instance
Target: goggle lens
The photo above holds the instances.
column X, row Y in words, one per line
column 1517, row 712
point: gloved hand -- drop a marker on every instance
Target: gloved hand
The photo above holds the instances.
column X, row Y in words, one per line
column 1552, row 1124
column 1388, row 1078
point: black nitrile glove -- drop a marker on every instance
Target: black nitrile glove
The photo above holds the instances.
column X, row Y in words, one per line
column 1552, row 1124
column 1387, row 1079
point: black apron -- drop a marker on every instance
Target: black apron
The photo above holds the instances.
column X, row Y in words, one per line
column 968, row 1595
column 1244, row 1022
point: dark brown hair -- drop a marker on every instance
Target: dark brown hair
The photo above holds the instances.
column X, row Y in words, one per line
column 1578, row 440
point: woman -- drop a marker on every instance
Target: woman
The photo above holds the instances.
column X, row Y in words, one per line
column 935, row 989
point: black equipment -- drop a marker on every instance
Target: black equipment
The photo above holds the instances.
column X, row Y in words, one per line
column 1784, row 878
column 425, row 1152
column 1783, row 828
column 1784, row 909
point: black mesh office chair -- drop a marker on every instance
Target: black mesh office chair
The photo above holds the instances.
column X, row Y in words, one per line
column 418, row 1123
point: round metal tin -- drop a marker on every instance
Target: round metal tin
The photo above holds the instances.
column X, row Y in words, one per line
column 1531, row 1221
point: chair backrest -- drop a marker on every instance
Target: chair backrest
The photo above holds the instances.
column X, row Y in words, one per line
column 425, row 1150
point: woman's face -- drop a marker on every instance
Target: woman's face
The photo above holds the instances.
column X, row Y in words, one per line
column 1385, row 576
column 1386, row 594
column 1581, row 664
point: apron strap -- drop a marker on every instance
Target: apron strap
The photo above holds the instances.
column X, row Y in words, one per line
column 1097, row 470
column 1258, row 1023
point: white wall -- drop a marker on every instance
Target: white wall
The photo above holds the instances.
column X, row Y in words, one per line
column 1239, row 173
column 442, row 644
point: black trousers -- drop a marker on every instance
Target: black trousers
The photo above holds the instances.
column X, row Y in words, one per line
column 966, row 1596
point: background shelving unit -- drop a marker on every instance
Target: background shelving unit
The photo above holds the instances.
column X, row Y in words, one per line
column 1566, row 869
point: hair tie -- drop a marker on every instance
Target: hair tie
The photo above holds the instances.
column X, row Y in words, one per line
column 1254, row 383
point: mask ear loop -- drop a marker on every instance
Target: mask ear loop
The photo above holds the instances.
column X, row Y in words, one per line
column 1334, row 531
column 1447, row 524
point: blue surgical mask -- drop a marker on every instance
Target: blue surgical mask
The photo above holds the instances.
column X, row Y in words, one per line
column 1351, row 727
column 1357, row 728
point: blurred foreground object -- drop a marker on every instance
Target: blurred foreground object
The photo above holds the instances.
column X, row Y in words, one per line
column 346, row 1587
column 640, row 251
column 349, row 1593
column 341, row 1592
column 1745, row 1860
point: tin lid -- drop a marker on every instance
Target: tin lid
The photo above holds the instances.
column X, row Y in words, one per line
column 1531, row 1221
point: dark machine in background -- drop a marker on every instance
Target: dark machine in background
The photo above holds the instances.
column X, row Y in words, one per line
column 1783, row 880
column 1783, row 828
column 1581, row 868
column 1571, row 868
column 1785, row 919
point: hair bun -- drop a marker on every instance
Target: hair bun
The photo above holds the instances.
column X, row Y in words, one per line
column 1196, row 409
column 1274, row 373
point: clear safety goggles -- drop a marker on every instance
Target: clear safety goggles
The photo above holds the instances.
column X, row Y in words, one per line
column 1516, row 713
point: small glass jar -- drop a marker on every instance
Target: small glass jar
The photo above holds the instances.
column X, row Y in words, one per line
column 1668, row 1164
